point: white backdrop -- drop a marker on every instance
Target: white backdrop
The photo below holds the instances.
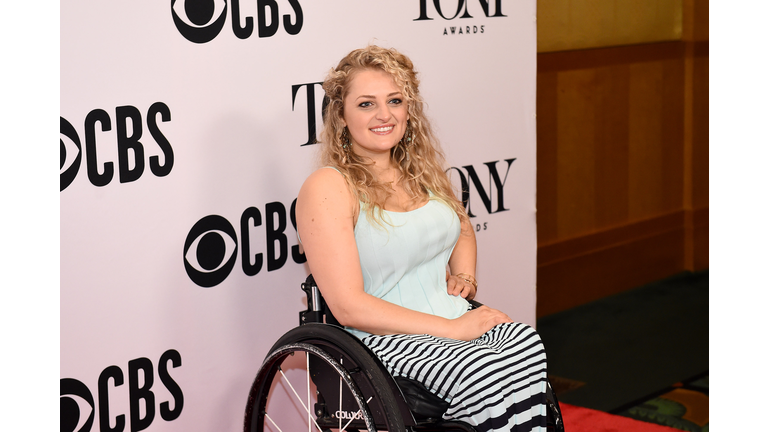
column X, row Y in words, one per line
column 182, row 146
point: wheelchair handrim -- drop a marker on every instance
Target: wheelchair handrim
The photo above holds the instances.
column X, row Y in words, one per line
column 271, row 366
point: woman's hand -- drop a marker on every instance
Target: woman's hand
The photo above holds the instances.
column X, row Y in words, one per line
column 458, row 286
column 476, row 322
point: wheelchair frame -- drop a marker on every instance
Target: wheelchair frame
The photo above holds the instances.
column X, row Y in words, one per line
column 347, row 373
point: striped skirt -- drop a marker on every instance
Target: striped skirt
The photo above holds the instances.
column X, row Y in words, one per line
column 496, row 382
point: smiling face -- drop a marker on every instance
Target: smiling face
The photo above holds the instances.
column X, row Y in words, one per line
column 375, row 112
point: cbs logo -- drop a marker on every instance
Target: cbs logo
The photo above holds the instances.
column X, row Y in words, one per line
column 211, row 246
column 78, row 407
column 200, row 21
column 126, row 140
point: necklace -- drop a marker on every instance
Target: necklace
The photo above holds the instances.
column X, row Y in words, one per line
column 390, row 184
column 385, row 173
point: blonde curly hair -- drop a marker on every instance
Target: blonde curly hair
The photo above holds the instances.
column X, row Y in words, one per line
column 421, row 164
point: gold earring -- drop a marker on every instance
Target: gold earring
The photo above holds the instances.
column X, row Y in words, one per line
column 345, row 140
column 407, row 140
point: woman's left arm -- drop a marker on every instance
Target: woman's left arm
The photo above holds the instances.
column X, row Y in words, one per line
column 463, row 264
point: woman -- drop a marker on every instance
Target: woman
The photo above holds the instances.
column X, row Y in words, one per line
column 379, row 224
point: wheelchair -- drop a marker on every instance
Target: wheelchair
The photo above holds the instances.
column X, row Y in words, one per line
column 318, row 376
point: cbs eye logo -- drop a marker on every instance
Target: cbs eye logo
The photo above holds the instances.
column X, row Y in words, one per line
column 71, row 153
column 76, row 405
column 210, row 251
column 200, row 21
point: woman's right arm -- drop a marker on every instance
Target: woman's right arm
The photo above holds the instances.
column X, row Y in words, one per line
column 325, row 215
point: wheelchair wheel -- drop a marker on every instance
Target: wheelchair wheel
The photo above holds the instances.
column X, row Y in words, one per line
column 318, row 377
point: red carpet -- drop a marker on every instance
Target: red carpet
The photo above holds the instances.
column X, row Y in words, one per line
column 578, row 419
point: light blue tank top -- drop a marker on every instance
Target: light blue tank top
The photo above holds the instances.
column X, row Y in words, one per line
column 404, row 262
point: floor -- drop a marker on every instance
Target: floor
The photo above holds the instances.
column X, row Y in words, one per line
column 643, row 353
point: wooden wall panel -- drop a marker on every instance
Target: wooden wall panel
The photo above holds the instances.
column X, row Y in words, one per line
column 623, row 190
column 673, row 115
column 701, row 238
column 700, row 158
column 579, row 24
column 646, row 149
column 546, row 156
column 647, row 256
column 701, row 129
column 696, row 36
column 575, row 152
column 612, row 145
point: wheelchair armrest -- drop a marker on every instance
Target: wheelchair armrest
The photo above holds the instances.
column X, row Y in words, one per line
column 317, row 310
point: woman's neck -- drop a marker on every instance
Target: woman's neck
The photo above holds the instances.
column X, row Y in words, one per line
column 386, row 173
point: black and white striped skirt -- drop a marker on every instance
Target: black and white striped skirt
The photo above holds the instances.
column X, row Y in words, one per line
column 496, row 382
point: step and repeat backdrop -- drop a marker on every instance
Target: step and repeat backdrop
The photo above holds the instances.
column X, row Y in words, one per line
column 187, row 129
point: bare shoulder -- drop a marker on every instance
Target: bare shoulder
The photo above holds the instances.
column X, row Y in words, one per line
column 323, row 178
column 325, row 191
column 325, row 183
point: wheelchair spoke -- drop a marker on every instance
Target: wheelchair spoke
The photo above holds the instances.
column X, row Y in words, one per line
column 273, row 422
column 309, row 413
column 345, row 411
column 353, row 417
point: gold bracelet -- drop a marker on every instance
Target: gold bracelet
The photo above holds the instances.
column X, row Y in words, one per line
column 469, row 279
